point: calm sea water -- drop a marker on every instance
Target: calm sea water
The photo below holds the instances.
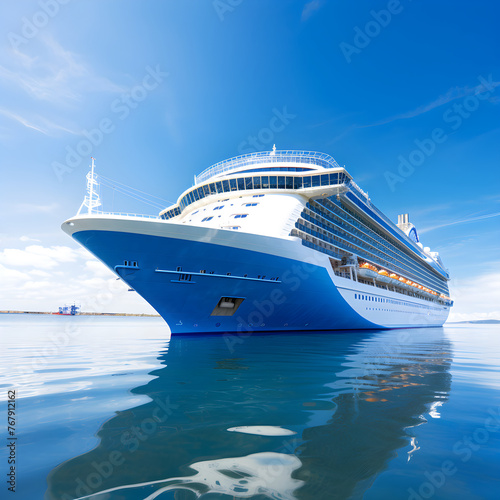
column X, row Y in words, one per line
column 113, row 408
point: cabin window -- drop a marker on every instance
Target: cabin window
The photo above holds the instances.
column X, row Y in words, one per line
column 206, row 219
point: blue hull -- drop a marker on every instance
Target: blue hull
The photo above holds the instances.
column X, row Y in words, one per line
column 273, row 293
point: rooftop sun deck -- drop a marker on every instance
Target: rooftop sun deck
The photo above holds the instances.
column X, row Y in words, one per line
column 314, row 159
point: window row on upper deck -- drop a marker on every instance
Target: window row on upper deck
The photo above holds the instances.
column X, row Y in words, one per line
column 256, row 182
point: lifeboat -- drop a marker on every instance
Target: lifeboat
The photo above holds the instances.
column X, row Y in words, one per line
column 367, row 273
column 402, row 282
column 370, row 271
column 367, row 270
column 384, row 276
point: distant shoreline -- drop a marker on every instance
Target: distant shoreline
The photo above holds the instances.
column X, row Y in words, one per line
column 82, row 314
column 477, row 321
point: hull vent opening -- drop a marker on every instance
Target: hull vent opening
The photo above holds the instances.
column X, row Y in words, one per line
column 227, row 306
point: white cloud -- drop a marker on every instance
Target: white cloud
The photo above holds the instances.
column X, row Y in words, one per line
column 310, row 8
column 39, row 278
column 37, row 256
column 39, row 273
column 97, row 268
column 11, row 277
column 476, row 298
column 25, row 239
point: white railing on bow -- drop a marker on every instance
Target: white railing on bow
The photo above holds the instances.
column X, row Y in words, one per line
column 124, row 214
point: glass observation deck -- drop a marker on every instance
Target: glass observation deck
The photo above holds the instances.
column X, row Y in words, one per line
column 316, row 160
column 289, row 182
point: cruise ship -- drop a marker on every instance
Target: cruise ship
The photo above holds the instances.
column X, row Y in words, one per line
column 270, row 241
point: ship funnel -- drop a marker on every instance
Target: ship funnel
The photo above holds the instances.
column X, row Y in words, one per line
column 407, row 227
column 403, row 219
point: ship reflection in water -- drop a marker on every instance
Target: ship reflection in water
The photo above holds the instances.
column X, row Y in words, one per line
column 309, row 416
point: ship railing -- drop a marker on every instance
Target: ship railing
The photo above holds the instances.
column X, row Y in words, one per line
column 352, row 184
column 125, row 214
column 319, row 159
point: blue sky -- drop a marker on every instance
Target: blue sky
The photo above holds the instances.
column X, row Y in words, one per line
column 405, row 94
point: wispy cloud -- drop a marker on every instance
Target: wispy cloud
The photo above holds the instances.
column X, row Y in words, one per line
column 42, row 125
column 55, row 75
column 310, row 8
column 463, row 221
column 34, row 208
column 340, row 136
column 451, row 95
column 22, row 121
column 26, row 239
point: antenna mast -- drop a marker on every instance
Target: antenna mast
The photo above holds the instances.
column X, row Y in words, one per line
column 92, row 200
